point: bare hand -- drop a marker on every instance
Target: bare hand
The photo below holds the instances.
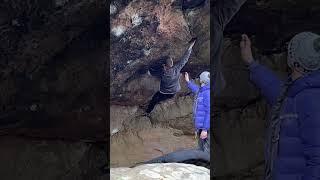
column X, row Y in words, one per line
column 245, row 46
column 186, row 77
column 204, row 134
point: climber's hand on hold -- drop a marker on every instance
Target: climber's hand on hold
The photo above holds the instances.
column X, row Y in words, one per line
column 245, row 46
column 186, row 76
column 204, row 134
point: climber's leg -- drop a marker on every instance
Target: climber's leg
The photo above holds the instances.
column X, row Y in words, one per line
column 166, row 96
column 158, row 97
column 153, row 101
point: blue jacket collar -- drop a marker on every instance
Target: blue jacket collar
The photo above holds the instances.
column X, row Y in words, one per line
column 309, row 81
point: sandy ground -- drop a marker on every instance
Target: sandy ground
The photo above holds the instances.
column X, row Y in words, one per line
column 130, row 148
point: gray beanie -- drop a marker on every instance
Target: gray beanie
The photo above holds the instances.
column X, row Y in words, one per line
column 205, row 77
column 304, row 48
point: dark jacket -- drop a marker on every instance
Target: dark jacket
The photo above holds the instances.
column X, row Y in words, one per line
column 298, row 135
column 222, row 13
column 170, row 78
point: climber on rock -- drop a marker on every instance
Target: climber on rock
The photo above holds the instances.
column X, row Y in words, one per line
column 222, row 12
column 201, row 109
column 170, row 78
column 293, row 135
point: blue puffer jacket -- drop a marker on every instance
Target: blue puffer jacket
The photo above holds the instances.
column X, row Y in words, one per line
column 298, row 156
column 201, row 108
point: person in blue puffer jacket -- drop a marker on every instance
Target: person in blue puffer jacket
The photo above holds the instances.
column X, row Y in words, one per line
column 293, row 136
column 201, row 109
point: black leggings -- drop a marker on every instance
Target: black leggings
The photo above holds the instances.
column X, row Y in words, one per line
column 158, row 97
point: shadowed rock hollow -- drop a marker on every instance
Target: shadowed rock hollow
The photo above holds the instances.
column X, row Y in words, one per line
column 52, row 113
column 52, row 68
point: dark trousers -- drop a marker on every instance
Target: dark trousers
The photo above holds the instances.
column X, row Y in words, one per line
column 158, row 97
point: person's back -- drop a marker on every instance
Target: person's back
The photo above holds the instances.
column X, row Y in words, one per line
column 170, row 79
column 299, row 138
column 170, row 76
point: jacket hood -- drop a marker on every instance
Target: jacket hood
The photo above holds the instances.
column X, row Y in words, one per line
column 309, row 81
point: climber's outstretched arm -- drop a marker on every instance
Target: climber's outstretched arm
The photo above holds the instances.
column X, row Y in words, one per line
column 185, row 57
column 224, row 10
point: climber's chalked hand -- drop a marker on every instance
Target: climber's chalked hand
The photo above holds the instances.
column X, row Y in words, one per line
column 186, row 77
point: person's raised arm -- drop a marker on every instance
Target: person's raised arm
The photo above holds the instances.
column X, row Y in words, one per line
column 224, row 10
column 269, row 84
column 185, row 57
column 192, row 86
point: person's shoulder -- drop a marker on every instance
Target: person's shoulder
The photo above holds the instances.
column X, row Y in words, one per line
column 206, row 91
column 308, row 97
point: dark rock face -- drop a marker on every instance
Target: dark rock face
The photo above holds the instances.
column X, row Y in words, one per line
column 34, row 159
column 275, row 22
column 143, row 33
column 52, row 57
column 52, row 71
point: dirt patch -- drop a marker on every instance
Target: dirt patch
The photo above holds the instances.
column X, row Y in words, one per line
column 129, row 148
